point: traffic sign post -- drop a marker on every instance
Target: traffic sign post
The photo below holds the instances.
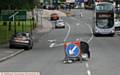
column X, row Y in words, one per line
column 72, row 51
column 20, row 16
column 41, row 12
column 13, row 16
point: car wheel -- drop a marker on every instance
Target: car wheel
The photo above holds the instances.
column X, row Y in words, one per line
column 112, row 35
column 51, row 19
column 10, row 46
column 95, row 34
column 31, row 46
column 63, row 26
column 58, row 18
column 27, row 48
column 56, row 27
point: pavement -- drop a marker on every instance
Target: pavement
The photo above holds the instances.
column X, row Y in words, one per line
column 6, row 53
column 68, row 12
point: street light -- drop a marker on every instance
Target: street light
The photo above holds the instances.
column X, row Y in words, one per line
column 41, row 12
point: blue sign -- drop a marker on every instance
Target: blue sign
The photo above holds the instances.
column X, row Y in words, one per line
column 72, row 50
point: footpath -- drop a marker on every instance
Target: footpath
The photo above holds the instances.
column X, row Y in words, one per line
column 6, row 53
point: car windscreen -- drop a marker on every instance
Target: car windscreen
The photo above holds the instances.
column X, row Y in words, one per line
column 21, row 35
column 60, row 21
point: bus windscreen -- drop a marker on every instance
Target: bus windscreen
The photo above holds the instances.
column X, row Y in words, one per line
column 104, row 7
column 104, row 23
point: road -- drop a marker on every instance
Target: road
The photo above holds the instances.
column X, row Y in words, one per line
column 49, row 60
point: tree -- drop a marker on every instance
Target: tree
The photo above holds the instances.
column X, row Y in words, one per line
column 62, row 0
column 17, row 4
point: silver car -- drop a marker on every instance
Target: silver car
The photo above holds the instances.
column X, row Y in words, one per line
column 60, row 23
column 21, row 40
column 117, row 25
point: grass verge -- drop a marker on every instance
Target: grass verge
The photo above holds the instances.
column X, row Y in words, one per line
column 7, row 29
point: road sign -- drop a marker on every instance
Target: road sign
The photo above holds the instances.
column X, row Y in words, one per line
column 72, row 50
column 79, row 1
column 21, row 16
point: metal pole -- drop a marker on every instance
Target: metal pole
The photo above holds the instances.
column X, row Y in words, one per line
column 41, row 18
column 51, row 2
column 14, row 25
column 41, row 14
column 13, row 16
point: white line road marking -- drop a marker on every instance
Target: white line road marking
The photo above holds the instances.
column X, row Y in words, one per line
column 81, row 14
column 91, row 32
column 52, row 45
column 73, row 18
column 88, row 72
column 77, row 24
column 87, row 67
column 52, row 40
column 86, row 64
column 68, row 33
column 61, row 44
column 11, row 55
column 56, row 45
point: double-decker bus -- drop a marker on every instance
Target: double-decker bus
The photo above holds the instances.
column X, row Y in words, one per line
column 104, row 19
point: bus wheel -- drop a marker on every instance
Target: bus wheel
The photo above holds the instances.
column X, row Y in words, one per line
column 95, row 34
column 112, row 35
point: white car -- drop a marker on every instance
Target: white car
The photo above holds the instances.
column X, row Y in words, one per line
column 60, row 23
column 117, row 25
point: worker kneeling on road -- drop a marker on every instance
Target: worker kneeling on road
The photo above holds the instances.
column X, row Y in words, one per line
column 85, row 50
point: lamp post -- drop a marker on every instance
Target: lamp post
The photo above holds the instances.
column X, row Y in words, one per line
column 41, row 12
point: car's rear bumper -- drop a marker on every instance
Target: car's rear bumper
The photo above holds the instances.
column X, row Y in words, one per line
column 59, row 26
column 19, row 45
column 54, row 18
